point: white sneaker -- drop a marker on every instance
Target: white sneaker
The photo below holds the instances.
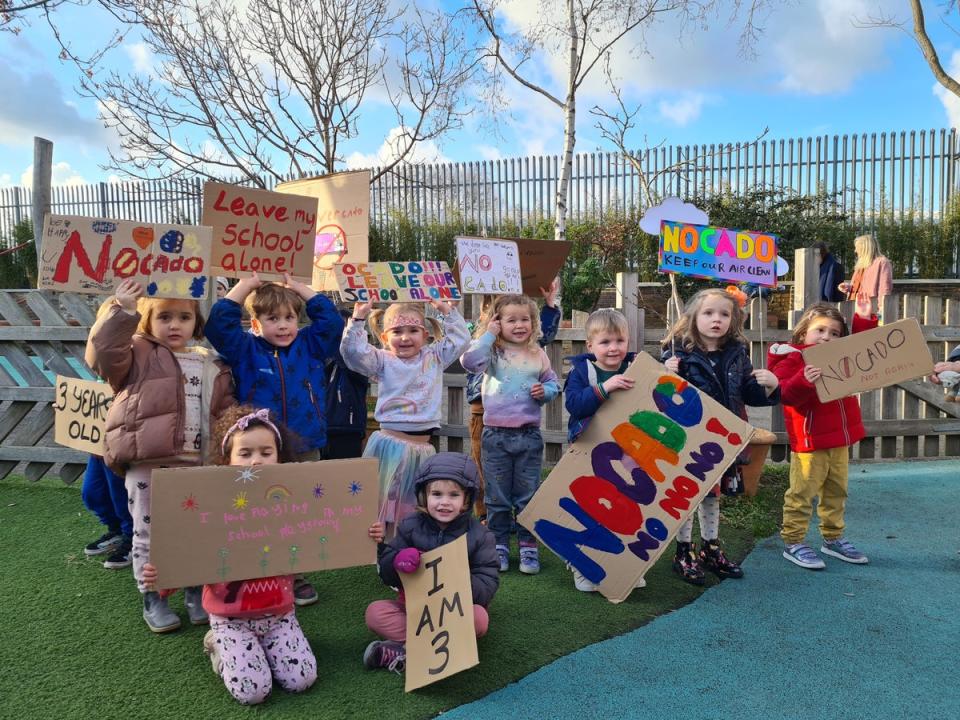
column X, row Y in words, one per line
column 641, row 583
column 580, row 582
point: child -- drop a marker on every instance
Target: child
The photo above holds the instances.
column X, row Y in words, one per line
column 410, row 386
column 517, row 381
column 278, row 367
column 346, row 406
column 592, row 377
column 549, row 324
column 167, row 396
column 706, row 347
column 445, row 486
column 948, row 374
column 104, row 494
column 254, row 635
column 820, row 434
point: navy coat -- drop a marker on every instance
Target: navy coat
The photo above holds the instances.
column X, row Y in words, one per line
column 580, row 396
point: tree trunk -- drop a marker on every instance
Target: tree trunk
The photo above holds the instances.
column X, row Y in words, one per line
column 569, row 130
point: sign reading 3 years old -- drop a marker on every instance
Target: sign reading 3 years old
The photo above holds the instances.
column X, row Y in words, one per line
column 627, row 484
column 414, row 281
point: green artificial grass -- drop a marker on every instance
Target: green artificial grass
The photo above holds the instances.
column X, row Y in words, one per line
column 74, row 644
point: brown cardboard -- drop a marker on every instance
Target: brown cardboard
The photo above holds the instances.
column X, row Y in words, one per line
column 270, row 233
column 343, row 221
column 80, row 413
column 221, row 523
column 92, row 255
column 612, row 522
column 869, row 360
column 540, row 261
column 441, row 638
column 415, row 281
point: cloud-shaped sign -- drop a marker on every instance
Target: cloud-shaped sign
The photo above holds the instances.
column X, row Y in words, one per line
column 672, row 208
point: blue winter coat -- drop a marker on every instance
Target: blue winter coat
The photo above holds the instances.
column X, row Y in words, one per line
column 289, row 381
column 580, row 394
column 346, row 397
column 831, row 275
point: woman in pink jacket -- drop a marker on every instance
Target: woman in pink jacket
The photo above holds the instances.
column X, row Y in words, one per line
column 872, row 273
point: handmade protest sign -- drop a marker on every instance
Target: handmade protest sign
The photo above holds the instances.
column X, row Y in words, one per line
column 624, row 487
column 540, row 262
column 869, row 360
column 488, row 266
column 441, row 639
column 221, row 523
column 717, row 253
column 92, row 255
column 80, row 413
column 396, row 281
column 343, row 221
column 259, row 231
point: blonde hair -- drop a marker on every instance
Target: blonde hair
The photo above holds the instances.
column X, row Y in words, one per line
column 379, row 319
column 146, row 306
column 486, row 307
column 503, row 301
column 607, row 320
column 271, row 298
column 867, row 249
column 815, row 312
column 684, row 330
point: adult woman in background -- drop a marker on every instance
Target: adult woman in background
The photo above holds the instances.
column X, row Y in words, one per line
column 872, row 273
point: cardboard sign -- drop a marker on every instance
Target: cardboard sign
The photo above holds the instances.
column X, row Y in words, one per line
column 221, row 523
column 80, row 414
column 259, row 231
column 540, row 262
column 622, row 490
column 488, row 266
column 716, row 253
column 441, row 638
column 92, row 255
column 396, row 281
column 343, row 221
column 869, row 360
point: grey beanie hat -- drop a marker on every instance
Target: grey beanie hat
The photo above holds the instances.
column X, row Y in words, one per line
column 454, row 466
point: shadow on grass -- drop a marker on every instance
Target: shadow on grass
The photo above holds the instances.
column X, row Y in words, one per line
column 74, row 644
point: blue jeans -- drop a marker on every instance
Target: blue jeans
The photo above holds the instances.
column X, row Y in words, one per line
column 512, row 458
column 104, row 494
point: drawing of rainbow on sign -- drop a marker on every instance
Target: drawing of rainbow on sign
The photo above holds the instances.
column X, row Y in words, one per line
column 717, row 253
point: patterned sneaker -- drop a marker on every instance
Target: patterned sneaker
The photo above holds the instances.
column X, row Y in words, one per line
column 303, row 592
column 580, row 582
column 843, row 549
column 211, row 649
column 104, row 543
column 503, row 553
column 713, row 559
column 529, row 559
column 803, row 555
column 387, row 654
column 686, row 563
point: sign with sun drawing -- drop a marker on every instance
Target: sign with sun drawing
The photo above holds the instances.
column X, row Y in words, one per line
column 223, row 523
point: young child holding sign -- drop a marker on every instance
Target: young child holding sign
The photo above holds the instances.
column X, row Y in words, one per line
column 254, row 635
column 410, row 386
column 517, row 382
column 445, row 485
column 706, row 347
column 168, row 395
column 820, row 434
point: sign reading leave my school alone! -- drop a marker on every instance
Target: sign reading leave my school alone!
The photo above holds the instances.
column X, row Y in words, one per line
column 92, row 255
column 624, row 487
column 717, row 253
column 222, row 523
column 259, row 231
column 415, row 281
column 869, row 360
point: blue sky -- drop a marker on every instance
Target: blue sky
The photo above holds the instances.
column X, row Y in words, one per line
column 815, row 72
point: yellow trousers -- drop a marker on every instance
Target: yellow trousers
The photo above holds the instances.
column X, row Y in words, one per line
column 823, row 474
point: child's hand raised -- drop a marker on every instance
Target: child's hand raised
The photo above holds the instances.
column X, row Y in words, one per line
column 375, row 532
column 238, row 293
column 767, row 379
column 127, row 293
column 493, row 326
column 618, row 382
column 550, row 293
column 672, row 364
column 304, row 291
column 361, row 310
column 443, row 307
column 811, row 373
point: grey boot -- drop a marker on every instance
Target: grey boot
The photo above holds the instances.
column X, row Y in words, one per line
column 158, row 615
column 192, row 597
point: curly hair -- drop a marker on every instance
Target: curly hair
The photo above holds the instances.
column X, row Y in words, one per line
column 220, row 451
column 684, row 330
column 503, row 301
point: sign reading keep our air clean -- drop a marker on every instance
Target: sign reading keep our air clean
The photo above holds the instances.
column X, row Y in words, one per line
column 718, row 253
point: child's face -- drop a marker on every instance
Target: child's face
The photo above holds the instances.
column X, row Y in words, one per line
column 713, row 320
column 446, row 500
column 821, row 330
column 279, row 328
column 173, row 323
column 405, row 341
column 516, row 325
column 256, row 446
column 610, row 348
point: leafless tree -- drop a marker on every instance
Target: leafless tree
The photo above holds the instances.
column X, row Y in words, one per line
column 277, row 88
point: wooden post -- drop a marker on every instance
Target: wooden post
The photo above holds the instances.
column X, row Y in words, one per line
column 628, row 303
column 806, row 281
column 42, row 175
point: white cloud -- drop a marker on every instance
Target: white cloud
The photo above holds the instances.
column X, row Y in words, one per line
column 62, row 174
column 951, row 103
column 425, row 152
column 141, row 56
column 683, row 110
column 488, row 152
column 6, row 180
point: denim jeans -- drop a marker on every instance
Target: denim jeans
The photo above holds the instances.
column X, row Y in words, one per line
column 512, row 458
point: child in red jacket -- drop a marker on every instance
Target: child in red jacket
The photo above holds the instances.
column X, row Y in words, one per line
column 820, row 434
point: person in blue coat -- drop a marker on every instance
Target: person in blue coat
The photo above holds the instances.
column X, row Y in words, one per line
column 346, row 406
column 831, row 274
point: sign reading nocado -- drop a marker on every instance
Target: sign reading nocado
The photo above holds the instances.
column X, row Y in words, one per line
column 717, row 253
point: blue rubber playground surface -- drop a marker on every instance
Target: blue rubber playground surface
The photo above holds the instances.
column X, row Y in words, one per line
column 878, row 641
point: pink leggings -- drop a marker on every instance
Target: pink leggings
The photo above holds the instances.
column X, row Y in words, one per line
column 388, row 619
column 252, row 650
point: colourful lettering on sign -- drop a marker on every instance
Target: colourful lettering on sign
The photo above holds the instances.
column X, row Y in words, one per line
column 718, row 253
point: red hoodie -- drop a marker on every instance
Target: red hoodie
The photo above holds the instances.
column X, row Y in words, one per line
column 811, row 424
